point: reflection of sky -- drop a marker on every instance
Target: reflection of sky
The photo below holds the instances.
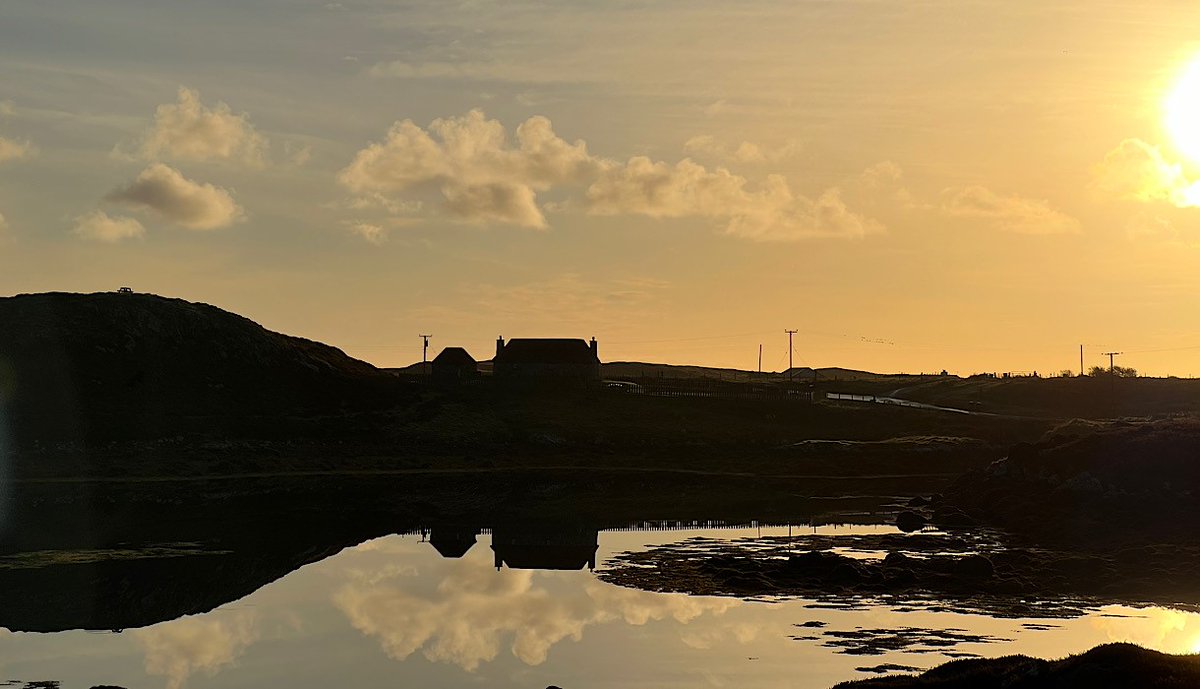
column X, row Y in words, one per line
column 391, row 611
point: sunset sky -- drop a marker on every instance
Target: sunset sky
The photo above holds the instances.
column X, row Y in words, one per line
column 968, row 185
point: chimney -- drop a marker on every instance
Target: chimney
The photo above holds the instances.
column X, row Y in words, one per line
column 499, row 345
column 595, row 349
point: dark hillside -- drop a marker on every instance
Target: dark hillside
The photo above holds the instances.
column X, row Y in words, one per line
column 91, row 367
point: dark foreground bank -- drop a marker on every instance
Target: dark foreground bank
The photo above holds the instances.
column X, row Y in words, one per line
column 1118, row 666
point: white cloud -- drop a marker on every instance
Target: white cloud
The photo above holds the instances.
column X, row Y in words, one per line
column 165, row 191
column 187, row 130
column 1009, row 213
column 102, row 227
column 687, row 189
column 470, row 162
column 482, row 177
column 1138, row 171
column 179, row 649
column 11, row 149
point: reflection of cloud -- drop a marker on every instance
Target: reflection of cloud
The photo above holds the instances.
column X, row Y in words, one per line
column 475, row 610
column 1160, row 629
column 165, row 191
column 179, row 649
column 1138, row 171
column 1010, row 213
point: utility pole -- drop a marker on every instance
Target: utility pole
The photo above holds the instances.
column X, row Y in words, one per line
column 425, row 353
column 1111, row 367
column 760, row 359
column 789, row 334
column 1081, row 371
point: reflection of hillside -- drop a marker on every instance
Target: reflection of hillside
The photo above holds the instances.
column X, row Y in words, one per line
column 52, row 591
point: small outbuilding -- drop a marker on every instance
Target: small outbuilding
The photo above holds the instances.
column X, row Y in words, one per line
column 454, row 365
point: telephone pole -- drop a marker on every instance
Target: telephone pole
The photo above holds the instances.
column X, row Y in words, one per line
column 1111, row 367
column 1081, row 371
column 789, row 334
column 425, row 352
column 760, row 359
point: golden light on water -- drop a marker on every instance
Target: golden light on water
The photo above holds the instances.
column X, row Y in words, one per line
column 1183, row 112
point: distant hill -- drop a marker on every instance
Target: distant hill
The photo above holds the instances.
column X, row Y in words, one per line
column 113, row 365
column 634, row 369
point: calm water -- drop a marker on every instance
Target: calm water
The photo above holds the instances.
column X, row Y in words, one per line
column 393, row 612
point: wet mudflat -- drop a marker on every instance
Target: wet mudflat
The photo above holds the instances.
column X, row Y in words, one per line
column 433, row 609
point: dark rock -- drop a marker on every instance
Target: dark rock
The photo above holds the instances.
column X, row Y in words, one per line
column 974, row 567
column 909, row 521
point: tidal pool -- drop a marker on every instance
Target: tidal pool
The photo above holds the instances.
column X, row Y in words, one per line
column 394, row 612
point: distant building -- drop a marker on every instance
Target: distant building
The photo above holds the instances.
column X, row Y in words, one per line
column 547, row 359
column 454, row 365
column 124, row 290
column 452, row 541
column 562, row 548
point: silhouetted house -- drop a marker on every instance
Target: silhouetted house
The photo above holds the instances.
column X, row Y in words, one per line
column 547, row 359
column 454, row 365
column 452, row 541
column 560, row 548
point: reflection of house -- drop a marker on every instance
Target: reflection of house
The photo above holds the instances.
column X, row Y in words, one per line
column 453, row 365
column 560, row 359
column 452, row 541
column 561, row 548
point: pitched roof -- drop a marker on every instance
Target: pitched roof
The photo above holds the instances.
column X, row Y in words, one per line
column 546, row 351
column 454, row 356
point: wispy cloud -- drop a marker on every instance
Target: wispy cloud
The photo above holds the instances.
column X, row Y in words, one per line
column 102, row 227
column 12, row 149
column 1010, row 213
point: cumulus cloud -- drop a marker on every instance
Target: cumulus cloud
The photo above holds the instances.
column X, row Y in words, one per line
column 1009, row 213
column 165, row 191
column 1138, row 171
column 470, row 161
column 179, row 649
column 481, row 176
column 475, row 611
column 687, row 189
column 102, row 227
column 11, row 149
column 188, row 130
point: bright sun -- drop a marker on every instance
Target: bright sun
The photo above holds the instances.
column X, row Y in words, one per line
column 1183, row 112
